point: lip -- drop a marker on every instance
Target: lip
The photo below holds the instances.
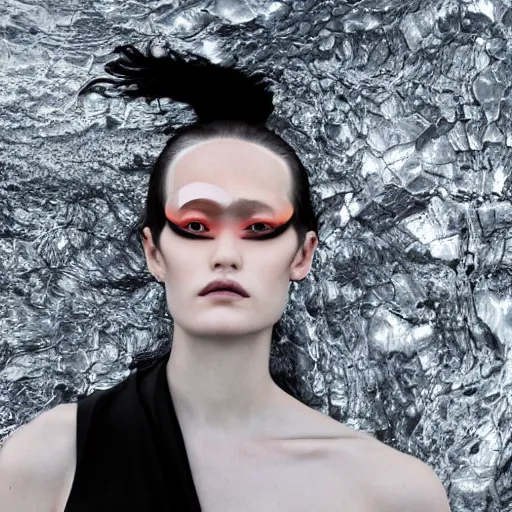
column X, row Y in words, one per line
column 227, row 284
column 224, row 295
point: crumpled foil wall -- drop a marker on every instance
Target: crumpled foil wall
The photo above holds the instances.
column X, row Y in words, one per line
column 401, row 110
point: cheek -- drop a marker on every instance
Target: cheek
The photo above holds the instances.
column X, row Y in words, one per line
column 184, row 263
column 271, row 264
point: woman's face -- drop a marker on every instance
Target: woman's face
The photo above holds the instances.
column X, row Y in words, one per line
column 205, row 188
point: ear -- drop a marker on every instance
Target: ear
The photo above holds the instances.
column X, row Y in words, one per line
column 154, row 259
column 301, row 265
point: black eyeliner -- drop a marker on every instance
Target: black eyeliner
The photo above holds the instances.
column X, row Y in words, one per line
column 186, row 234
column 182, row 232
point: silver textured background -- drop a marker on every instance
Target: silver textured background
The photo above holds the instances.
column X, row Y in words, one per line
column 401, row 111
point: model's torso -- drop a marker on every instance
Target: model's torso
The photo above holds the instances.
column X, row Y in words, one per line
column 332, row 470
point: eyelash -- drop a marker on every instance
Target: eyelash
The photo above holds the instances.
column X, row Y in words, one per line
column 197, row 222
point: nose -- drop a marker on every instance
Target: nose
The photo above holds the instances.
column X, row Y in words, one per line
column 226, row 249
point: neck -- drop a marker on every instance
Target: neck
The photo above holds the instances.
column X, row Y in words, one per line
column 223, row 386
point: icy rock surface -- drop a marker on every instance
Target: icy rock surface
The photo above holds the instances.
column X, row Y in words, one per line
column 401, row 112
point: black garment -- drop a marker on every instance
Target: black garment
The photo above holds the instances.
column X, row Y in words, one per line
column 130, row 450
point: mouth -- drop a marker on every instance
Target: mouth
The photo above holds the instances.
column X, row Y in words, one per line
column 224, row 286
column 224, row 294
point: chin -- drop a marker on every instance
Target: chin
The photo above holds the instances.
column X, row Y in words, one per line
column 220, row 324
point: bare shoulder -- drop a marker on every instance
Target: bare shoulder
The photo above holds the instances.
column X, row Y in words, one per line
column 35, row 460
column 50, row 430
column 396, row 480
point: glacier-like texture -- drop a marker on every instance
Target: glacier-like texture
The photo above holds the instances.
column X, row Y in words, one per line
column 400, row 110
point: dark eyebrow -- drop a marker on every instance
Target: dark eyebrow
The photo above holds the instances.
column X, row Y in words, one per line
column 244, row 207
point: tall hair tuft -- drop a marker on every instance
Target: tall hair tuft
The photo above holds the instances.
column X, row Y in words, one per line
column 214, row 92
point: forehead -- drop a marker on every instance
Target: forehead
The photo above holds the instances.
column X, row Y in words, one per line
column 242, row 168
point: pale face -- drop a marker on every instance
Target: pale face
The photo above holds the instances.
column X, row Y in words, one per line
column 212, row 233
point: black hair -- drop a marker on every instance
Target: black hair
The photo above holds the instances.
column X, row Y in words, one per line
column 228, row 103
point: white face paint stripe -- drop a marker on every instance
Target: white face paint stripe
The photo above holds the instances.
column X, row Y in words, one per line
column 202, row 189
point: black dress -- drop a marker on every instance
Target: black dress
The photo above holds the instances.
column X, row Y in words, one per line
column 130, row 449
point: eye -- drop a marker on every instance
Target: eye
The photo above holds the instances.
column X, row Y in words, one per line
column 194, row 222
column 260, row 224
column 255, row 224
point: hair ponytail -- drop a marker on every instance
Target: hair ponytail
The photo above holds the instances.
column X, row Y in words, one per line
column 214, row 92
